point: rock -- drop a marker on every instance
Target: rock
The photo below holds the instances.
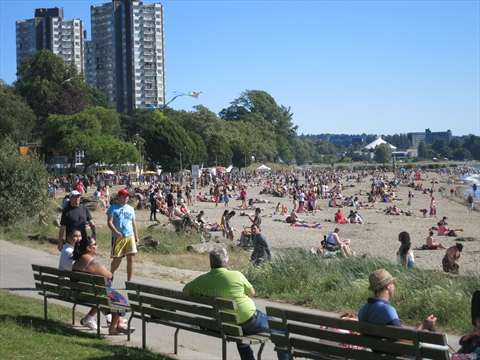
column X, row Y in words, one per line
column 150, row 241
column 92, row 203
column 143, row 205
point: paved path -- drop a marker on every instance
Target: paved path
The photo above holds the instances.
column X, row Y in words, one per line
column 16, row 276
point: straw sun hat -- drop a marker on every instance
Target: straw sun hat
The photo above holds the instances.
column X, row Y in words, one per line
column 379, row 279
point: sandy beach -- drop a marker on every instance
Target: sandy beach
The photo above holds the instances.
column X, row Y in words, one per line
column 378, row 235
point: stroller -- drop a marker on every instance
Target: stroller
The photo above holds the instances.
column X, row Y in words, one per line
column 246, row 239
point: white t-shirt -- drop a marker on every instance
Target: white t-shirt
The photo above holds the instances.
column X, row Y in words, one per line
column 66, row 260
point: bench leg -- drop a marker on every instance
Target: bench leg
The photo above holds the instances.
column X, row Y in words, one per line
column 73, row 314
column 98, row 322
column 45, row 304
column 259, row 354
column 175, row 342
column 224, row 349
column 129, row 332
column 144, row 334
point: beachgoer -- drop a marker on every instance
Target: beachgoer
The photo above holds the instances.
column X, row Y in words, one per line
column 378, row 310
column 83, row 256
column 471, row 342
column 75, row 216
column 432, row 244
column 229, row 225
column 470, row 203
column 121, row 221
column 257, row 220
column 333, row 243
column 261, row 248
column 232, row 285
column 452, row 257
column 405, row 253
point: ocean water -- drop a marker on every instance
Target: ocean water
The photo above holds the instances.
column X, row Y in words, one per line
column 473, row 178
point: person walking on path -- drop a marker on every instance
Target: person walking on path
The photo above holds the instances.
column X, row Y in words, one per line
column 75, row 216
column 121, row 221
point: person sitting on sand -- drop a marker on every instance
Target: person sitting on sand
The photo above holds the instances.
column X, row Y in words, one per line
column 432, row 244
column 452, row 257
column 333, row 243
column 357, row 219
column 443, row 228
column 339, row 217
column 200, row 218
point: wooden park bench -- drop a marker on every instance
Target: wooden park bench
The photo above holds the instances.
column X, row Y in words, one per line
column 77, row 288
column 204, row 315
column 306, row 335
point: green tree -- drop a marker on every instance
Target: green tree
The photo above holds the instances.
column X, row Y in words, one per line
column 241, row 155
column 93, row 130
column 219, row 151
column 51, row 87
column 165, row 141
column 472, row 144
column 17, row 119
column 455, row 143
column 261, row 103
column 422, row 149
column 200, row 154
column 383, row 154
column 23, row 183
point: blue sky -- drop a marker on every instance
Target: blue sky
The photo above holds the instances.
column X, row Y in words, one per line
column 381, row 67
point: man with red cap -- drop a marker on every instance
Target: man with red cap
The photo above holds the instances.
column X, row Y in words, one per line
column 121, row 220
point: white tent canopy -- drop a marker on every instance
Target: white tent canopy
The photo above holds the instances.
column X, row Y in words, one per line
column 377, row 142
column 263, row 167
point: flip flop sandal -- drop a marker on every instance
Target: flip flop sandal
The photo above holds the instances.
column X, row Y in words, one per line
column 113, row 333
column 125, row 330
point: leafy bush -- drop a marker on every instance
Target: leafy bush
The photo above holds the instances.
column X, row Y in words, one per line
column 23, row 183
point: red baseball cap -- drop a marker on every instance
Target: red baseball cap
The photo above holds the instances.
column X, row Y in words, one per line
column 123, row 192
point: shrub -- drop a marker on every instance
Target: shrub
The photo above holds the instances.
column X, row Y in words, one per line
column 23, row 182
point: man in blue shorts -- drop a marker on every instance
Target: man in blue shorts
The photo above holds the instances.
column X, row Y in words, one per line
column 121, row 221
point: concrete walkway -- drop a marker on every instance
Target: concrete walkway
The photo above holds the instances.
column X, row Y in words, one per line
column 16, row 276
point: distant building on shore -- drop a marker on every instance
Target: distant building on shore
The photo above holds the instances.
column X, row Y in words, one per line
column 429, row 137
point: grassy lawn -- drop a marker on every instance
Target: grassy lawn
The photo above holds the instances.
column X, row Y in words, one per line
column 25, row 335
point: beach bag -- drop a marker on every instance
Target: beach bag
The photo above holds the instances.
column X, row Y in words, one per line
column 451, row 233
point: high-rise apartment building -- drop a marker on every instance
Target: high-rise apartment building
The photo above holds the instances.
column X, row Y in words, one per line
column 127, row 54
column 49, row 30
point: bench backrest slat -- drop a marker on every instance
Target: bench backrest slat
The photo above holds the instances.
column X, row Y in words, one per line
column 174, row 294
column 76, row 286
column 206, row 312
column 303, row 332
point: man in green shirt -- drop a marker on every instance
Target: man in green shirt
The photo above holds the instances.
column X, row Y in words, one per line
column 223, row 283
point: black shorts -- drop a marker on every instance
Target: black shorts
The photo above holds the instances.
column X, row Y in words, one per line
column 333, row 247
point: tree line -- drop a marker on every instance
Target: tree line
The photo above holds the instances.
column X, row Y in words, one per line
column 52, row 104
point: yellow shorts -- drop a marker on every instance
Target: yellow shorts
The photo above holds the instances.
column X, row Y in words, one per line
column 123, row 246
